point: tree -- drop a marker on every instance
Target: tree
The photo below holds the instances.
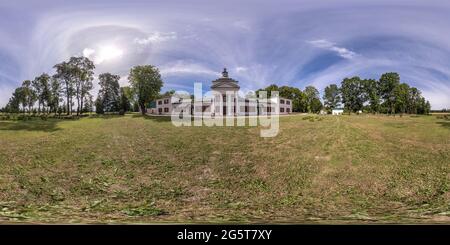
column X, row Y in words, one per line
column 64, row 77
column 108, row 94
column 387, row 84
column 146, row 83
column 15, row 101
column 269, row 89
column 88, row 102
column 316, row 105
column 55, row 92
column 353, row 95
column 312, row 95
column 332, row 97
column 99, row 106
column 370, row 87
column 124, row 103
column 401, row 94
column 414, row 100
column 296, row 95
column 41, row 85
column 82, row 73
column 427, row 108
column 29, row 95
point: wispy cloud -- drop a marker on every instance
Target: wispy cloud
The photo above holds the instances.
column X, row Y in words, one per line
column 280, row 42
column 156, row 37
column 325, row 44
column 241, row 69
column 184, row 67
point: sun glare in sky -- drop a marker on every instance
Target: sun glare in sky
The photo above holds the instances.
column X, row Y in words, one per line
column 104, row 53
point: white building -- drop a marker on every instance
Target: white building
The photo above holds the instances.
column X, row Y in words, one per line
column 224, row 99
column 337, row 111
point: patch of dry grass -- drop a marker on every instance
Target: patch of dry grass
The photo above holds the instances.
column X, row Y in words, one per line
column 143, row 169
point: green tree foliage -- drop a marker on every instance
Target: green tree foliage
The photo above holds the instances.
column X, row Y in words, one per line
column 296, row 95
column 64, row 77
column 29, row 95
column 15, row 101
column 332, row 97
column 353, row 94
column 316, row 105
column 108, row 94
column 124, row 103
column 370, row 87
column 312, row 98
column 401, row 94
column 82, row 73
column 146, row 84
column 387, row 86
column 41, row 85
column 387, row 95
column 55, row 92
column 88, row 106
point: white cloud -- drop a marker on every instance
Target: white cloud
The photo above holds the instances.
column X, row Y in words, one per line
column 156, row 37
column 104, row 53
column 325, row 44
column 88, row 52
column 182, row 67
column 241, row 69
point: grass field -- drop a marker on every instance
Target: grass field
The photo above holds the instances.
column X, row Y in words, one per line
column 142, row 169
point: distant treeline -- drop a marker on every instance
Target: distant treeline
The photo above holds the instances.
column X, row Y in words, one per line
column 68, row 91
column 387, row 95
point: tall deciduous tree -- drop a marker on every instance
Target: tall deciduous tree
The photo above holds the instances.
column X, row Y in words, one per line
column 41, row 85
column 64, row 76
column 55, row 92
column 297, row 96
column 146, row 83
column 353, row 95
column 124, row 103
column 82, row 73
column 108, row 94
column 371, row 90
column 312, row 96
column 332, row 96
column 387, row 85
column 401, row 94
column 29, row 95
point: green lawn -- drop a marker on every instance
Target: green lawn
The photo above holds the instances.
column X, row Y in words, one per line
column 134, row 169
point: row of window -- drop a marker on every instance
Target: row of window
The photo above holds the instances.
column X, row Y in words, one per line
column 166, row 101
column 160, row 110
column 288, row 102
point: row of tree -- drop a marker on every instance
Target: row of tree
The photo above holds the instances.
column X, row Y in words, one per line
column 70, row 87
column 386, row 95
column 69, row 90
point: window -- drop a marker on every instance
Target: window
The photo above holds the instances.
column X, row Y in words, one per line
column 159, row 110
column 282, row 101
column 166, row 101
column 269, row 109
column 281, row 109
column 288, row 102
column 159, row 102
column 288, row 110
column 166, row 109
column 224, row 98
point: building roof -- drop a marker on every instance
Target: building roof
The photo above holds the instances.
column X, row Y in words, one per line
column 225, row 81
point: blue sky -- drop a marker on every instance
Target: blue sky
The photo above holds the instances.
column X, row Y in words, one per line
column 296, row 43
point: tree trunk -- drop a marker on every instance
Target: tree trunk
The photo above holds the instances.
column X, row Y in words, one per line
column 81, row 108
column 142, row 105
